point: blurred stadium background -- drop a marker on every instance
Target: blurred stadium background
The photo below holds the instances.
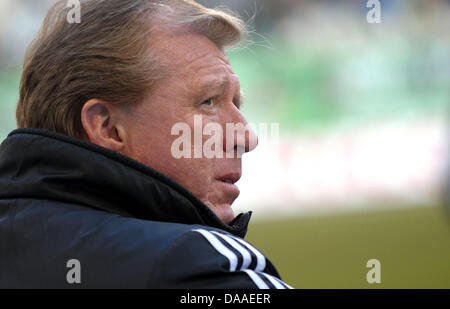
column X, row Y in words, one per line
column 358, row 169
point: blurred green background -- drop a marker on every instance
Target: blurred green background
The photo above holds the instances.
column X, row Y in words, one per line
column 316, row 67
column 331, row 251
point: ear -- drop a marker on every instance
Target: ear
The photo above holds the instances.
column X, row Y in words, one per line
column 101, row 122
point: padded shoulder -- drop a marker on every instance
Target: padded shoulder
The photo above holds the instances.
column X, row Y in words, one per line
column 214, row 259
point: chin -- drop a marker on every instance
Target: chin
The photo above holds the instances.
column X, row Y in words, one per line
column 225, row 213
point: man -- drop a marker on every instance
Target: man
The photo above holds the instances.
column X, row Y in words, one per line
column 91, row 193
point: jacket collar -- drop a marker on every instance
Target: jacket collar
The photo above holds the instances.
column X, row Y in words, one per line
column 42, row 164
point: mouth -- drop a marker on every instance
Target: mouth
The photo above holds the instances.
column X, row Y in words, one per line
column 231, row 178
column 227, row 183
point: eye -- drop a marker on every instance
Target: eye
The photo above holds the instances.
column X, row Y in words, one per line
column 208, row 102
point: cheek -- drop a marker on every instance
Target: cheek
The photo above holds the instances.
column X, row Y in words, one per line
column 151, row 144
column 196, row 175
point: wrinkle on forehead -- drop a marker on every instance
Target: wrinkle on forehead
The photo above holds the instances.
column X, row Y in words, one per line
column 195, row 66
column 185, row 47
column 193, row 54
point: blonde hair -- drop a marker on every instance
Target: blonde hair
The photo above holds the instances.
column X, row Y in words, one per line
column 108, row 56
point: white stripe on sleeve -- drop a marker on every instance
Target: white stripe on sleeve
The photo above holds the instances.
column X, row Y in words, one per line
column 247, row 258
column 273, row 280
column 284, row 283
column 240, row 246
column 232, row 258
column 256, row 279
column 261, row 260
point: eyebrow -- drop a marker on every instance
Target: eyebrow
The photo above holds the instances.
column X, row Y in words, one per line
column 214, row 83
column 221, row 83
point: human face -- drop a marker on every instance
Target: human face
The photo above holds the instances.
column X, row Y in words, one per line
column 200, row 82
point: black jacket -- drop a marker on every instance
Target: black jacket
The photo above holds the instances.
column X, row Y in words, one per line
column 127, row 225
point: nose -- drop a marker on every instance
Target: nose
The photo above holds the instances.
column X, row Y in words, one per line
column 240, row 136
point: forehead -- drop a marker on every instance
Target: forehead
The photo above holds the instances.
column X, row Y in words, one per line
column 192, row 55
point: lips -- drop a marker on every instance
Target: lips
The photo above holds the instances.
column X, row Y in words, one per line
column 231, row 178
column 227, row 185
